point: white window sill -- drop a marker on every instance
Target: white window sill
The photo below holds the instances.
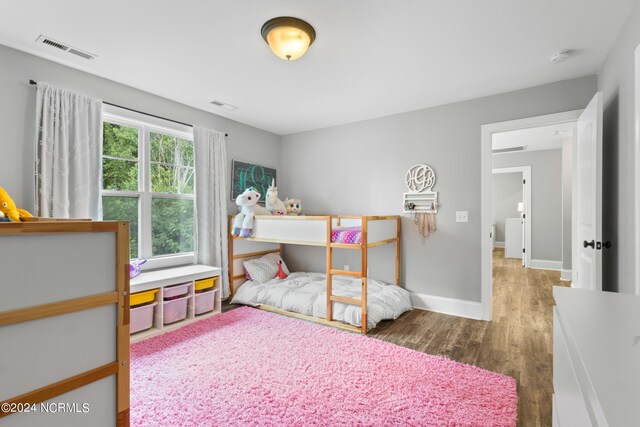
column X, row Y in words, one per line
column 168, row 261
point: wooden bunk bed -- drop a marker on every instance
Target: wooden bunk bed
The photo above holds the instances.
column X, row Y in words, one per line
column 316, row 230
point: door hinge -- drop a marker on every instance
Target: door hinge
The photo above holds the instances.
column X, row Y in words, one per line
column 523, row 250
column 524, row 181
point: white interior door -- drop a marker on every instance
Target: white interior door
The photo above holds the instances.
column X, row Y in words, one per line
column 637, row 171
column 523, row 220
column 589, row 201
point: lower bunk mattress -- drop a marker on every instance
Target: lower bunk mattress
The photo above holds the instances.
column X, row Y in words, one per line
column 306, row 293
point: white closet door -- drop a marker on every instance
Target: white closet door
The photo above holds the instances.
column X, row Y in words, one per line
column 589, row 176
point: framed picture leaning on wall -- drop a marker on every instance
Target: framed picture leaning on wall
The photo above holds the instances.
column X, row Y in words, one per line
column 245, row 175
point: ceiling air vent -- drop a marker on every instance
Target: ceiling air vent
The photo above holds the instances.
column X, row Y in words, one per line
column 509, row 150
column 63, row 46
column 224, row 105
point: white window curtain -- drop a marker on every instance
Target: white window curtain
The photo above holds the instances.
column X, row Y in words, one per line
column 68, row 148
column 211, row 201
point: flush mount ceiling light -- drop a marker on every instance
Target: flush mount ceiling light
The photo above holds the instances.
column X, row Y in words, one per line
column 288, row 37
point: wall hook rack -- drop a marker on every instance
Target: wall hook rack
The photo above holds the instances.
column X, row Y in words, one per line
column 420, row 198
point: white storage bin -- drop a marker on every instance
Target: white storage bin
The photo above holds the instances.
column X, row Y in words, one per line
column 142, row 317
column 176, row 290
column 204, row 302
column 175, row 310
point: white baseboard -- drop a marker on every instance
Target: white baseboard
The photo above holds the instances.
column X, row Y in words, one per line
column 565, row 275
column 543, row 264
column 455, row 307
column 498, row 244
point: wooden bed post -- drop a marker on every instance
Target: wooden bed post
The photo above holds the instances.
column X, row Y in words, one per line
column 398, row 252
column 230, row 257
column 363, row 274
column 329, row 266
column 123, row 341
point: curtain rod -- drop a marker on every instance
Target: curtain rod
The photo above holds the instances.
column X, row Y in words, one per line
column 33, row 83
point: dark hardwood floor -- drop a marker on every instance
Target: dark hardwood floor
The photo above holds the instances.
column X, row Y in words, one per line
column 517, row 342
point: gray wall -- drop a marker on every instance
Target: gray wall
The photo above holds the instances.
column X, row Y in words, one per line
column 507, row 192
column 617, row 81
column 17, row 107
column 546, row 199
column 365, row 178
column 359, row 168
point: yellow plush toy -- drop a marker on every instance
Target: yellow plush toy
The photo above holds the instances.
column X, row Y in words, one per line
column 8, row 208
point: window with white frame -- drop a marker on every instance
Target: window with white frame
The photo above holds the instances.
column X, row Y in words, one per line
column 148, row 179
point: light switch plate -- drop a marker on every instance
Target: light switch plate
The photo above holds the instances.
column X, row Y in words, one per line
column 462, row 216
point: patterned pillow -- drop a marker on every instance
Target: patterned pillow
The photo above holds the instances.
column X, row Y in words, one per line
column 265, row 268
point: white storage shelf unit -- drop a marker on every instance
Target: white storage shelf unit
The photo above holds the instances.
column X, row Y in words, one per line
column 160, row 279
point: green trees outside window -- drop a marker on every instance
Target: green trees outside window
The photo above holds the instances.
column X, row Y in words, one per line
column 148, row 179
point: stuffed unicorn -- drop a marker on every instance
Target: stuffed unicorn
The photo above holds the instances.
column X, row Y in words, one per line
column 249, row 207
column 272, row 202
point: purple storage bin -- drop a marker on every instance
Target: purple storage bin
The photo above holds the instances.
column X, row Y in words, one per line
column 175, row 310
column 142, row 317
column 204, row 301
column 176, row 291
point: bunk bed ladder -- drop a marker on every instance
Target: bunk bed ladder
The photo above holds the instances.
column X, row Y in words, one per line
column 362, row 302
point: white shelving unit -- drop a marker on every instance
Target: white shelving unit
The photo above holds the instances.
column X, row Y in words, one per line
column 159, row 279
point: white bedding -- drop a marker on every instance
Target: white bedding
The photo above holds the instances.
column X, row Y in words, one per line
column 306, row 293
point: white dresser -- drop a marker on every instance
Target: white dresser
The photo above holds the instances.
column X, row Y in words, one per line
column 596, row 358
column 513, row 238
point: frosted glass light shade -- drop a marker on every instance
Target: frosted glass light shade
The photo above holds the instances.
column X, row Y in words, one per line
column 288, row 43
column 289, row 38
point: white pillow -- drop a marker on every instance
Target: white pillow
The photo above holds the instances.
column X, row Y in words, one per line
column 265, row 268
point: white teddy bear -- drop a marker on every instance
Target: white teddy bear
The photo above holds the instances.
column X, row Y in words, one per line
column 249, row 208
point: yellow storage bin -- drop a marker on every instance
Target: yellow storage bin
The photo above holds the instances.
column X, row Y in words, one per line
column 143, row 297
column 205, row 283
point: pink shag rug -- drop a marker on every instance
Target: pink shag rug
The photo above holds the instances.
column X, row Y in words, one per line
column 248, row 367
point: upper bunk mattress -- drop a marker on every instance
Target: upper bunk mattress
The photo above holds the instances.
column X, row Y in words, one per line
column 306, row 293
column 349, row 235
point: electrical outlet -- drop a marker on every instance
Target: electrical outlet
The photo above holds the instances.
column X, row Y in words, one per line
column 462, row 216
column 346, row 267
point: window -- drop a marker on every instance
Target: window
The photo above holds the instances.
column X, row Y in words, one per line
column 148, row 179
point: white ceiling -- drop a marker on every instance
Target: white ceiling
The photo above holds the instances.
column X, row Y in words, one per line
column 371, row 58
column 533, row 139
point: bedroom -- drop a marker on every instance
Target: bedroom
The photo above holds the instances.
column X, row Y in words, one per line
column 379, row 90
